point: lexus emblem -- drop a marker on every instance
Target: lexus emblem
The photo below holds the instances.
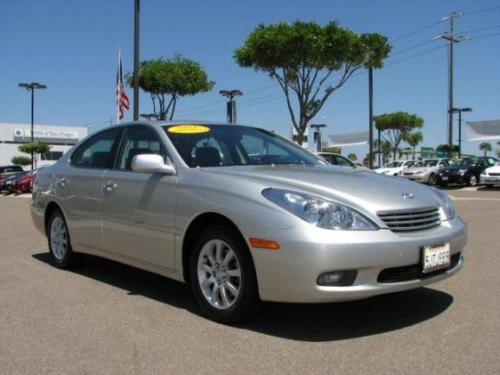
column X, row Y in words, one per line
column 407, row 195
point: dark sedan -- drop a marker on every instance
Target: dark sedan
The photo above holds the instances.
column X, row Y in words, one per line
column 466, row 171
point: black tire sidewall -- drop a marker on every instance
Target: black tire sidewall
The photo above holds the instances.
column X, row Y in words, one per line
column 245, row 305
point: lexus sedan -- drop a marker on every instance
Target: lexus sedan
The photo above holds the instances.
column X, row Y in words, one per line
column 394, row 168
column 466, row 171
column 244, row 216
column 425, row 171
column 491, row 176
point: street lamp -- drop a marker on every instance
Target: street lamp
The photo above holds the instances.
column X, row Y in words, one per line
column 317, row 135
column 231, row 104
column 32, row 87
column 460, row 110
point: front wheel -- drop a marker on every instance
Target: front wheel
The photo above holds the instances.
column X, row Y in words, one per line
column 432, row 179
column 472, row 180
column 62, row 254
column 223, row 277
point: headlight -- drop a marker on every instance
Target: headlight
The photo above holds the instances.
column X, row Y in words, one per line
column 462, row 171
column 446, row 204
column 322, row 213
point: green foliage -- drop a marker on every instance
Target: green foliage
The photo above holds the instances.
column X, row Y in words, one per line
column 332, row 149
column 384, row 148
column 352, row 157
column 34, row 148
column 485, row 147
column 413, row 139
column 452, row 150
column 302, row 57
column 166, row 80
column 21, row 160
column 397, row 126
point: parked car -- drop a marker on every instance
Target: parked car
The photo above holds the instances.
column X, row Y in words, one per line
column 243, row 215
column 394, row 168
column 466, row 171
column 24, row 183
column 8, row 181
column 8, row 170
column 425, row 171
column 341, row 161
column 491, row 176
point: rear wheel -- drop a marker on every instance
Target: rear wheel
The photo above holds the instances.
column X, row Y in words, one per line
column 432, row 179
column 223, row 277
column 472, row 180
column 62, row 254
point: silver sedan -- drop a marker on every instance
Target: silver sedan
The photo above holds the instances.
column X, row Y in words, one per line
column 243, row 216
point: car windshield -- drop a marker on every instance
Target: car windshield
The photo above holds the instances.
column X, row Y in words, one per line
column 226, row 145
column 466, row 162
column 430, row 163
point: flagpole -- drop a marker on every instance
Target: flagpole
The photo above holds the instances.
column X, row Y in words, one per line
column 117, row 79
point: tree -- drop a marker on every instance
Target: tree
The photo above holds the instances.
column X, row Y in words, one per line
column 413, row 139
column 21, row 160
column 166, row 80
column 303, row 58
column 34, row 149
column 445, row 148
column 384, row 148
column 332, row 149
column 397, row 126
column 352, row 156
column 485, row 147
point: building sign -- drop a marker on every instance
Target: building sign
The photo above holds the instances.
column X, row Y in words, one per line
column 47, row 134
column 426, row 152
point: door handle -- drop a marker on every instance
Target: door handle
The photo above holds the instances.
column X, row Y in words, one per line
column 110, row 186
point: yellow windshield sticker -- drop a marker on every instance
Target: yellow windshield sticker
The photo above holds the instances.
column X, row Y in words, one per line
column 188, row 129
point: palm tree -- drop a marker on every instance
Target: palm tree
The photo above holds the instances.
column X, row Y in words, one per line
column 413, row 139
column 485, row 147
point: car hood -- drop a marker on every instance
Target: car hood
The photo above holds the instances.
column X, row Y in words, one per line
column 494, row 169
column 364, row 190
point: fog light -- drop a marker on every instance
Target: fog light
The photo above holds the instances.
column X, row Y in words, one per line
column 337, row 278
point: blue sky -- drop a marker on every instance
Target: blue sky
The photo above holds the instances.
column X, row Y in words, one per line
column 72, row 47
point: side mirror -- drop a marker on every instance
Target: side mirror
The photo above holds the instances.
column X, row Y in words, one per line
column 151, row 163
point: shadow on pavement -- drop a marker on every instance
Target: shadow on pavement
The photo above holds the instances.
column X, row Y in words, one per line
column 304, row 322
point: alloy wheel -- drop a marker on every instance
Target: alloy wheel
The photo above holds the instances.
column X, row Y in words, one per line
column 58, row 238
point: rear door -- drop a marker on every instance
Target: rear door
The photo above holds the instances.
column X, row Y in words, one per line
column 138, row 208
column 79, row 187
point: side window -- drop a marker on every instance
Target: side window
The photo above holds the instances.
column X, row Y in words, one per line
column 139, row 140
column 343, row 162
column 98, row 151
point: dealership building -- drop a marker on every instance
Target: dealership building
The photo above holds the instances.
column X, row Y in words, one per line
column 60, row 139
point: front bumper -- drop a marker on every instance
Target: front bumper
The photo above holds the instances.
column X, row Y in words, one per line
column 424, row 178
column 454, row 178
column 490, row 180
column 290, row 274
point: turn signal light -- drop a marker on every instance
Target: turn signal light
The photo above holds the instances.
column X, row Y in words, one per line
column 264, row 244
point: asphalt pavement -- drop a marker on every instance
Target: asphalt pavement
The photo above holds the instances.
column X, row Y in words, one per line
column 108, row 318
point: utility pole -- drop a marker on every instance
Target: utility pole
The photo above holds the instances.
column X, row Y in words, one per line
column 452, row 39
column 231, row 104
column 137, row 27
column 370, row 115
column 32, row 87
column 460, row 110
column 317, row 135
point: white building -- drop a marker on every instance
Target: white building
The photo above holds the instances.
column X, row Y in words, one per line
column 59, row 138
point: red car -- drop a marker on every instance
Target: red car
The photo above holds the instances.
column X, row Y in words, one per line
column 24, row 184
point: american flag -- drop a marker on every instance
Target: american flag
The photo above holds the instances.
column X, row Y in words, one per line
column 122, row 103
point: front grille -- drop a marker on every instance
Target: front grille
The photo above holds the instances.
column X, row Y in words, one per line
column 413, row 272
column 495, row 174
column 404, row 221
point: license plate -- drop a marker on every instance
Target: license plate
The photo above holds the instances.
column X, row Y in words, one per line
column 436, row 257
column 444, row 178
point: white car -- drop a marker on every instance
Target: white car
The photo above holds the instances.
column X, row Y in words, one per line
column 395, row 167
column 491, row 176
column 425, row 171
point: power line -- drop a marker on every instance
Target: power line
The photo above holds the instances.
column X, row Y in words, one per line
column 470, row 13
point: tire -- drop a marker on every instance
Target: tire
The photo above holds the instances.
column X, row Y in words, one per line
column 472, row 180
column 216, row 260
column 61, row 252
column 432, row 179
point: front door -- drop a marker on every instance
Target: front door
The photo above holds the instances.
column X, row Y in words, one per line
column 139, row 208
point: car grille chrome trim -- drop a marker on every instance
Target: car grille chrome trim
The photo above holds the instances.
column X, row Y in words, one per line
column 494, row 174
column 411, row 220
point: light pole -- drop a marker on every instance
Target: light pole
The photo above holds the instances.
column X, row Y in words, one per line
column 317, row 134
column 137, row 40
column 370, row 116
column 460, row 110
column 452, row 39
column 32, row 87
column 231, row 104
